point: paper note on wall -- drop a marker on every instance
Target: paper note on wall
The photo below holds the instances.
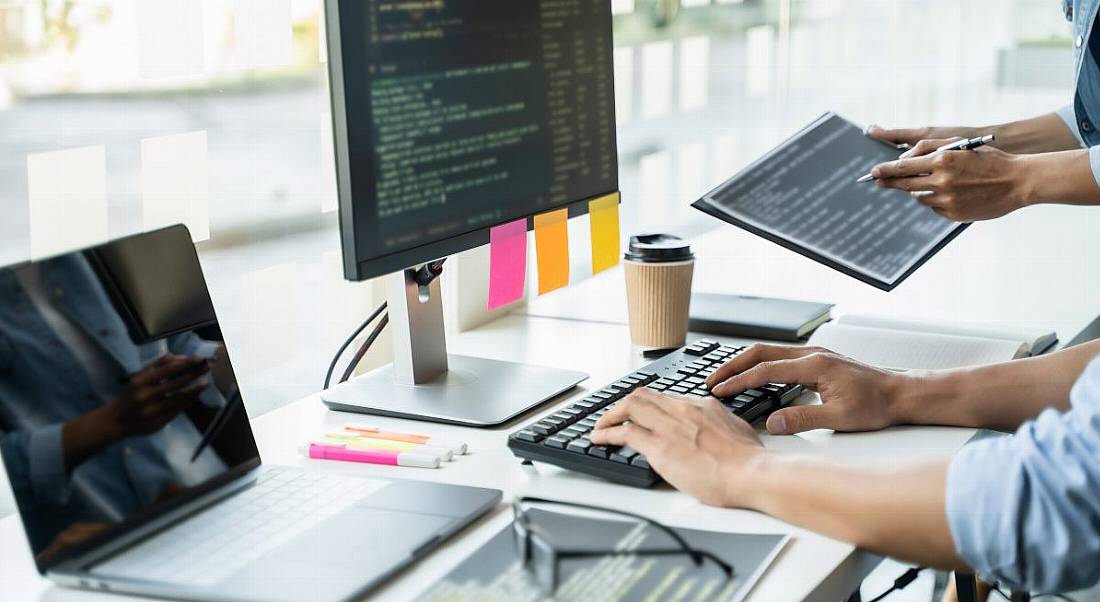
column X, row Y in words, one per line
column 604, row 222
column 328, row 166
column 507, row 262
column 170, row 38
column 269, row 316
column 67, row 195
column 263, row 31
column 175, row 183
column 552, row 249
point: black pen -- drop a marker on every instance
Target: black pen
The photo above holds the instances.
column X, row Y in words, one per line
column 964, row 144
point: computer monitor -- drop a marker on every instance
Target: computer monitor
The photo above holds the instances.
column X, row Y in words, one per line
column 450, row 117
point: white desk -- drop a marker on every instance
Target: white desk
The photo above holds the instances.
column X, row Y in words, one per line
column 811, row 567
column 1053, row 286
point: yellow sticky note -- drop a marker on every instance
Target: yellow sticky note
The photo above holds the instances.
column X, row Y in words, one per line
column 552, row 249
column 604, row 219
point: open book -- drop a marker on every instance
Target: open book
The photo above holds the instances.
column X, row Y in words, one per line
column 911, row 345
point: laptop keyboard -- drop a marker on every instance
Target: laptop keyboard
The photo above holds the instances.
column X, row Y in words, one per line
column 221, row 540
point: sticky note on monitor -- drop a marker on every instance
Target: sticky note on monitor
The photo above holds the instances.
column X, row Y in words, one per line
column 552, row 249
column 175, row 183
column 263, row 33
column 170, row 38
column 604, row 223
column 67, row 195
column 507, row 262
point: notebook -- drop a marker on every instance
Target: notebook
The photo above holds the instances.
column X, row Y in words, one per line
column 915, row 345
column 803, row 195
column 756, row 317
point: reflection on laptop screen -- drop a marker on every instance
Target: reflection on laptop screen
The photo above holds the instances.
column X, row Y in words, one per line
column 101, row 430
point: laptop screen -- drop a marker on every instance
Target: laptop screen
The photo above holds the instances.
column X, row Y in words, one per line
column 102, row 426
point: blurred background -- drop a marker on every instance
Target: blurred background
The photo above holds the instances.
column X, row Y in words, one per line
column 703, row 87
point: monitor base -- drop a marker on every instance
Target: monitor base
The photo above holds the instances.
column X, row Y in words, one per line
column 472, row 392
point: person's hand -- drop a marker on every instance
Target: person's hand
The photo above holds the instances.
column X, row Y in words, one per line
column 963, row 186
column 155, row 395
column 694, row 444
column 911, row 136
column 854, row 396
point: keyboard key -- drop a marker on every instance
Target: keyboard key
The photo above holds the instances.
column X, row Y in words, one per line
column 656, row 386
column 554, row 421
column 586, row 405
column 694, row 380
column 579, row 446
column 646, row 375
column 640, row 461
column 679, row 389
column 572, row 432
column 633, row 380
column 543, row 428
column 668, row 382
column 754, row 393
column 556, row 441
column 575, row 412
column 529, row 435
column 624, row 455
column 600, row 451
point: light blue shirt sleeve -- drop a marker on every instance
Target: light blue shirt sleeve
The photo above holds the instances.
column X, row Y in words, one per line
column 1025, row 510
column 36, row 465
column 1070, row 117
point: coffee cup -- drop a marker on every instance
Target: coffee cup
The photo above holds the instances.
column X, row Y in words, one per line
column 658, row 269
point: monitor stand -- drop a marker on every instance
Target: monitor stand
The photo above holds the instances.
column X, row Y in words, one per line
column 425, row 383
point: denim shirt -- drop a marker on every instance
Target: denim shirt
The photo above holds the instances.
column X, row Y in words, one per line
column 1083, row 117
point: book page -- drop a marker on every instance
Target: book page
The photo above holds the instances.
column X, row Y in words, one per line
column 991, row 331
column 908, row 350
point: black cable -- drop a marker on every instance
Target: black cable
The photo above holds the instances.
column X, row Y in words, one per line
column 900, row 583
column 362, row 327
column 365, row 346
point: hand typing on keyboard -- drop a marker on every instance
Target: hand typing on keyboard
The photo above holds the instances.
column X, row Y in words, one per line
column 696, row 445
column 854, row 396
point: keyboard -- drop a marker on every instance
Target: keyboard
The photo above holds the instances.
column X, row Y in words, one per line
column 224, row 538
column 562, row 438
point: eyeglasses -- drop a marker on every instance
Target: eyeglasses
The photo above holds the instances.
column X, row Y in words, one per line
column 543, row 560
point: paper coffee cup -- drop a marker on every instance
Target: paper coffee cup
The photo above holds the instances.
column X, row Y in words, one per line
column 658, row 269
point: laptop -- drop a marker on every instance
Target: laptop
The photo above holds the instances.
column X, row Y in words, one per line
column 132, row 460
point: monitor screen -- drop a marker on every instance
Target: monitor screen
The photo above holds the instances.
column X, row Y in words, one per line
column 452, row 116
column 100, row 431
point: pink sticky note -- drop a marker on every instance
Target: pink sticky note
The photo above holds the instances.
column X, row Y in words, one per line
column 507, row 262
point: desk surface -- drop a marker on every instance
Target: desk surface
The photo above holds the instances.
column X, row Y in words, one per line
column 811, row 567
column 1025, row 268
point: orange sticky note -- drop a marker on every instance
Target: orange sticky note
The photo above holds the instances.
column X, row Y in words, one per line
column 552, row 249
column 603, row 216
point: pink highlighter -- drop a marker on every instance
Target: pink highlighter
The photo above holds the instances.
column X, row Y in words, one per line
column 339, row 451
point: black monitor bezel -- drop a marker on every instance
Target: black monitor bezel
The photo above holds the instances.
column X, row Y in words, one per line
column 356, row 266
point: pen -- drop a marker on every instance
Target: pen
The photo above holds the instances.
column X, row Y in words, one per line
column 357, row 442
column 377, row 433
column 964, row 144
column 335, row 451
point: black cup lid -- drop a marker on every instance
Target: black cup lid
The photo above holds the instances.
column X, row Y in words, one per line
column 655, row 248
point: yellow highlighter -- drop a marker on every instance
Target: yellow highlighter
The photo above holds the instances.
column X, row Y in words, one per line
column 356, row 442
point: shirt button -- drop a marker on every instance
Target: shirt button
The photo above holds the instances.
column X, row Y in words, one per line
column 1080, row 41
column 1086, row 125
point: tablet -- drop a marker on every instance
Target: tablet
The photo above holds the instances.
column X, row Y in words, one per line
column 803, row 195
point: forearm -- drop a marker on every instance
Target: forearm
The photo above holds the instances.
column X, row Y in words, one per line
column 1043, row 134
column 86, row 436
column 897, row 512
column 1060, row 177
column 999, row 396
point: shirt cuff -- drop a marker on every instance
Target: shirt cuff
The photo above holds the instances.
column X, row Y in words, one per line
column 1094, row 162
column 46, row 457
column 1069, row 116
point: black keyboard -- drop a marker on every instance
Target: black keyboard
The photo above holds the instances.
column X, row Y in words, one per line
column 562, row 437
